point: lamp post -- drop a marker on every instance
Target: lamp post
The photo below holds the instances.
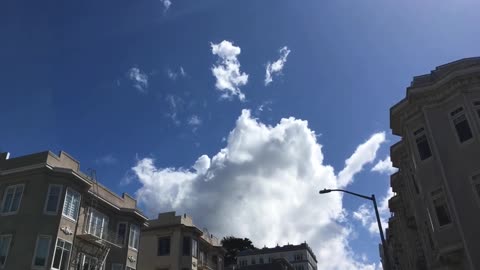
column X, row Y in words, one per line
column 371, row 198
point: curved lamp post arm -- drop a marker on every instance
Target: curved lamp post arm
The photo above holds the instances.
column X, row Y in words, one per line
column 379, row 222
column 349, row 192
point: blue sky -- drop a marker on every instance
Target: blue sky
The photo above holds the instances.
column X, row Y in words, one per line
column 66, row 85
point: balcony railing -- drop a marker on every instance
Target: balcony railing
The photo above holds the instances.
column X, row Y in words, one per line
column 101, row 235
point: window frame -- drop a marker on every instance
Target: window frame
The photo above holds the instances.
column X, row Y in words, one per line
column 126, row 233
column 417, row 133
column 104, row 226
column 453, row 115
column 130, row 230
column 10, row 238
column 169, row 245
column 432, row 199
column 4, row 199
column 194, row 246
column 58, row 202
column 475, row 180
column 49, row 237
column 476, row 108
column 63, row 248
column 69, row 189
column 117, row 265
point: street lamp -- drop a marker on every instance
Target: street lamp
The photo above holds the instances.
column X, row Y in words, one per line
column 371, row 198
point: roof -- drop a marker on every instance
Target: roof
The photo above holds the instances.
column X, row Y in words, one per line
column 67, row 165
column 433, row 81
column 285, row 248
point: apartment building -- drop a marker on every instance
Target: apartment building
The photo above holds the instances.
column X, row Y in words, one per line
column 301, row 256
column 435, row 222
column 53, row 216
column 173, row 242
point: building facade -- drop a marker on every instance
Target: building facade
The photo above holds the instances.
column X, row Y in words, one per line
column 299, row 256
column 435, row 222
column 53, row 216
column 173, row 242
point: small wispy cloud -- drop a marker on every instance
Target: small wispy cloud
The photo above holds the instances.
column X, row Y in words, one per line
column 166, row 4
column 384, row 166
column 174, row 103
column 276, row 67
column 194, row 120
column 227, row 70
column 173, row 75
column 138, row 78
column 108, row 159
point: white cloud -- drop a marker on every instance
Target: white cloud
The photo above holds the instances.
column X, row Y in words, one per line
column 263, row 185
column 365, row 153
column 166, row 4
column 366, row 214
column 173, row 75
column 227, row 70
column 138, row 78
column 194, row 120
column 277, row 66
column 175, row 103
column 108, row 159
column 384, row 166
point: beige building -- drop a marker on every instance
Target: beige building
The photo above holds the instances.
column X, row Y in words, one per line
column 300, row 257
column 175, row 243
column 52, row 216
column 435, row 222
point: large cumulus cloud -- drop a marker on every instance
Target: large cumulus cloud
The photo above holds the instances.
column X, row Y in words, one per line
column 263, row 185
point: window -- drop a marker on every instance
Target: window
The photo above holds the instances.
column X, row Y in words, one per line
column 97, row 223
column 71, row 204
column 163, row 246
column 462, row 127
column 476, row 185
column 11, row 199
column 260, row 260
column 5, row 241
column 42, row 247
column 134, row 236
column 243, row 262
column 253, row 261
column 53, row 199
column 476, row 104
column 194, row 248
column 422, row 144
column 121, row 233
column 297, row 257
column 62, row 255
column 441, row 208
column 117, row 266
column 87, row 262
column 187, row 246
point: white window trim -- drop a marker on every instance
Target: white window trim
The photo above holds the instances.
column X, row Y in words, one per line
column 126, row 233
column 452, row 124
column 58, row 202
column 5, row 197
column 79, row 204
column 35, row 252
column 129, row 232
column 55, row 252
column 104, row 222
column 10, row 237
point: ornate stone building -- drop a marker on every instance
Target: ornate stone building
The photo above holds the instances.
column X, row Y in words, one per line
column 435, row 222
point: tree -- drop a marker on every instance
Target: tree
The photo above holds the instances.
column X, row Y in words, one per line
column 233, row 246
